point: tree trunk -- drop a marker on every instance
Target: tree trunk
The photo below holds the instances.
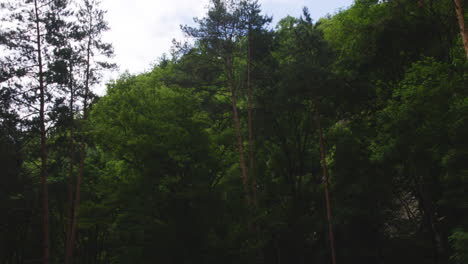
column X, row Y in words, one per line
column 325, row 181
column 45, row 191
column 249, row 108
column 68, row 242
column 461, row 23
column 230, row 76
column 82, row 149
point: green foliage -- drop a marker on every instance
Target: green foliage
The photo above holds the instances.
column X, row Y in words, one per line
column 386, row 80
column 459, row 240
column 160, row 157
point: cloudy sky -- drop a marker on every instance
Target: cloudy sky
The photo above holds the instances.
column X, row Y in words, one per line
column 142, row 30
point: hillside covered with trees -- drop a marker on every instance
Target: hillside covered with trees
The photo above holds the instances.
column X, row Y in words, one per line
column 342, row 140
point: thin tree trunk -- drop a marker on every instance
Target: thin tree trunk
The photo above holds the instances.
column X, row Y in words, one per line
column 45, row 191
column 82, row 148
column 325, row 181
column 253, row 181
column 461, row 23
column 230, row 76
column 249, row 107
column 68, row 242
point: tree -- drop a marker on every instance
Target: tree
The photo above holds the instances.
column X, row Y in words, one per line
column 161, row 166
column 45, row 195
column 362, row 116
column 29, row 45
column 254, row 24
column 419, row 107
column 307, row 57
column 461, row 24
column 91, row 25
column 219, row 33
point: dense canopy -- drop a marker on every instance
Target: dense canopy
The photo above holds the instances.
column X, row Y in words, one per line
column 342, row 140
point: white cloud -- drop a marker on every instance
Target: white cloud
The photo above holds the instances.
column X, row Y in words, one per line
column 142, row 30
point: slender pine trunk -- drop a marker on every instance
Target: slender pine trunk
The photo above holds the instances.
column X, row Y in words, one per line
column 68, row 242
column 325, row 181
column 45, row 191
column 461, row 23
column 231, row 82
column 82, row 147
column 249, row 110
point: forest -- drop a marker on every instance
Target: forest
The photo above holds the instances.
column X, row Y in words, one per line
column 341, row 140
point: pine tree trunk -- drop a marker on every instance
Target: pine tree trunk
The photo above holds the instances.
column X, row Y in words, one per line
column 71, row 247
column 82, row 150
column 251, row 141
column 68, row 242
column 253, row 181
column 45, row 191
column 230, row 76
column 327, row 193
column 461, row 23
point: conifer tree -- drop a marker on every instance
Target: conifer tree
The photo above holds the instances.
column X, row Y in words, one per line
column 219, row 33
column 253, row 23
column 29, row 41
column 90, row 27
